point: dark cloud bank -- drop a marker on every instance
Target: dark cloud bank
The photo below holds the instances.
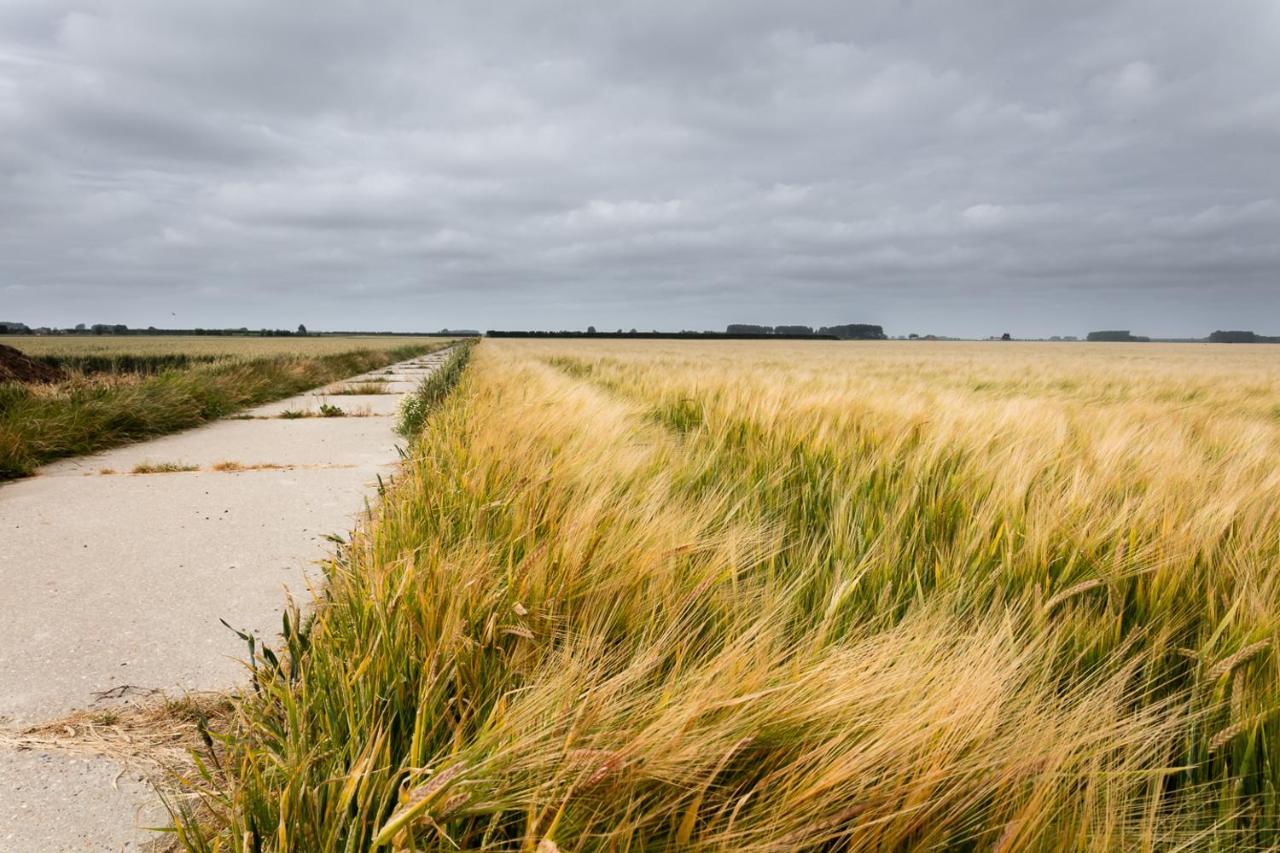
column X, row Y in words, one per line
column 960, row 168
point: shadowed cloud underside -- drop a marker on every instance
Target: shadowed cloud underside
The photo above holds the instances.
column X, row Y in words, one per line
column 997, row 167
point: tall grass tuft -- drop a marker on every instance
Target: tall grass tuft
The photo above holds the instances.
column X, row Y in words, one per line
column 431, row 392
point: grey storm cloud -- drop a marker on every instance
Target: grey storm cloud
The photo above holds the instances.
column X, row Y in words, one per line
column 932, row 166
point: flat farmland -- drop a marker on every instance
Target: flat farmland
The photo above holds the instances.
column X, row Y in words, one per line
column 89, row 393
column 218, row 346
column 729, row 596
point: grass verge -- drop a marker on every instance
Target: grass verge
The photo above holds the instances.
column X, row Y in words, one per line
column 431, row 392
column 41, row 423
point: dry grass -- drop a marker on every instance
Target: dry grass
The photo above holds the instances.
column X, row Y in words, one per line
column 162, row 468
column 223, row 467
column 231, row 467
column 363, row 389
column 745, row 596
column 158, row 736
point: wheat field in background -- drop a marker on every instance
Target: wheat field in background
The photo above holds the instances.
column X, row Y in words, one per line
column 206, row 346
column 785, row 596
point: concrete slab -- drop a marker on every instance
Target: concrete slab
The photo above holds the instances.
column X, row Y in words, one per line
column 388, row 389
column 398, row 383
column 112, row 808
column 114, row 581
column 115, row 585
column 352, row 404
column 305, row 441
column 363, row 385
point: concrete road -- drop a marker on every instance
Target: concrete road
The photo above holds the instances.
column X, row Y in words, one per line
column 114, row 584
column 55, row 801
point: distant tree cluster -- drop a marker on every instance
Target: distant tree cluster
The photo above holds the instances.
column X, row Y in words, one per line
column 1117, row 336
column 846, row 332
column 855, row 332
column 1238, row 337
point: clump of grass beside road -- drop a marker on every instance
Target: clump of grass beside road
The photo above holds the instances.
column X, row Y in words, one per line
column 40, row 423
column 431, row 392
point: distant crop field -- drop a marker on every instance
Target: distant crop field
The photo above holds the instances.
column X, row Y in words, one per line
column 108, row 391
column 778, row 596
column 205, row 345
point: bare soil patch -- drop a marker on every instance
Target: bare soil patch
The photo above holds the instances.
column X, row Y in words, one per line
column 17, row 367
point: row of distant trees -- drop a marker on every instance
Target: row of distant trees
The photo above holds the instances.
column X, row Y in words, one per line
column 846, row 332
column 1237, row 337
column 1116, row 336
column 1217, row 337
column 686, row 334
column 122, row 329
column 744, row 331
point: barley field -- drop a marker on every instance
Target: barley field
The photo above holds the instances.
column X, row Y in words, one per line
column 789, row 596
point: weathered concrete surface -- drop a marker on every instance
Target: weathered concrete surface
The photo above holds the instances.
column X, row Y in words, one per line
column 112, row 581
column 352, row 404
column 101, row 807
column 115, row 584
column 366, row 442
column 397, row 384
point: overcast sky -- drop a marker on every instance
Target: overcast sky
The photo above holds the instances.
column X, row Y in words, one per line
column 958, row 168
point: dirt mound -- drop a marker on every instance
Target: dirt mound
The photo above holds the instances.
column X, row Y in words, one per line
column 16, row 367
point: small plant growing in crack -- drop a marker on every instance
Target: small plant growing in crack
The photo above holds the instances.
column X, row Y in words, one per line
column 362, row 388
column 326, row 410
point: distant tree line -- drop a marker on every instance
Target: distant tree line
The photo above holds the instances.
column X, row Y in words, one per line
column 1238, row 337
column 683, row 335
column 846, row 332
column 1217, row 337
column 243, row 331
column 742, row 331
column 1117, row 336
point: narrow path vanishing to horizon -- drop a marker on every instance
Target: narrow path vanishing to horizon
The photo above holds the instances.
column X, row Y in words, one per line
column 115, row 585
